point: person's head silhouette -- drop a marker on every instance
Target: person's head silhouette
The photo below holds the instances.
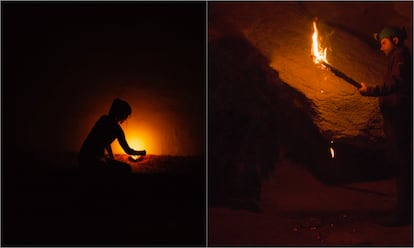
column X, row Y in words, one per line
column 120, row 110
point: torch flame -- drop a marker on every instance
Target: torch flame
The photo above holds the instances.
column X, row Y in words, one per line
column 319, row 54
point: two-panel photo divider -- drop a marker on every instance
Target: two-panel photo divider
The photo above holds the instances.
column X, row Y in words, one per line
column 206, row 123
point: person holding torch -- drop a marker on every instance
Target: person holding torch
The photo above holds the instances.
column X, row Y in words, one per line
column 395, row 101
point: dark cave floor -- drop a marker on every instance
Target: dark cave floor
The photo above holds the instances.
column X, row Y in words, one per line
column 296, row 209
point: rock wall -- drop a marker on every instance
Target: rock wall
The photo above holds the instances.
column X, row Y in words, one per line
column 282, row 32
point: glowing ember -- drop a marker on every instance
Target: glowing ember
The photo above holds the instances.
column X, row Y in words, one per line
column 332, row 150
column 318, row 53
column 135, row 157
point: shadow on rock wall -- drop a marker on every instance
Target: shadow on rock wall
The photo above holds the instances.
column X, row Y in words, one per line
column 253, row 115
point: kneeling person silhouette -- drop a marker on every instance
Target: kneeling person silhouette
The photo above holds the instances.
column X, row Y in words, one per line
column 92, row 157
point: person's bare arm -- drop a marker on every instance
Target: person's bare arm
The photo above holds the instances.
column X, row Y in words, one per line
column 128, row 150
column 109, row 150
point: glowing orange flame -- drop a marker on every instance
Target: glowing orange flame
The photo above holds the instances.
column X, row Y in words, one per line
column 332, row 152
column 319, row 53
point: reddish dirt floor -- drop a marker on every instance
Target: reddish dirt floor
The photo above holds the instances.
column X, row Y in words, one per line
column 298, row 210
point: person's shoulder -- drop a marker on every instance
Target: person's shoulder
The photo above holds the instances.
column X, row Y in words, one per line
column 103, row 118
column 401, row 54
column 106, row 120
column 402, row 50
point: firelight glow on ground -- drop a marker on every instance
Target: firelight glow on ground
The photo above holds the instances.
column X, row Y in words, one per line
column 161, row 164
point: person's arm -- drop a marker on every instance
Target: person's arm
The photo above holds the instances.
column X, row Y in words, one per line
column 109, row 150
column 124, row 144
column 394, row 82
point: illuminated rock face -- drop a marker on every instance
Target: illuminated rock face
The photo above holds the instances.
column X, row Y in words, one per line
column 282, row 32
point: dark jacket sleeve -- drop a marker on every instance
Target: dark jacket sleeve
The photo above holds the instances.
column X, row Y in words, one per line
column 396, row 82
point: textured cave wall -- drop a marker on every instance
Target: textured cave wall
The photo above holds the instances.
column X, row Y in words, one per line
column 254, row 117
column 282, row 32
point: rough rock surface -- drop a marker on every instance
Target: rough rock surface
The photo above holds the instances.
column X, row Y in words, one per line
column 282, row 33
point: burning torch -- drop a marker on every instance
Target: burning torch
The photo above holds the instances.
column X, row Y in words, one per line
column 319, row 57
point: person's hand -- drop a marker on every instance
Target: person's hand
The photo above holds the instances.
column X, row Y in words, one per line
column 142, row 153
column 363, row 89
